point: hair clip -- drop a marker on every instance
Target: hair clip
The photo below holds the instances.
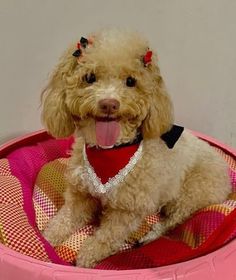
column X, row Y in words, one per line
column 77, row 53
column 147, row 59
column 82, row 43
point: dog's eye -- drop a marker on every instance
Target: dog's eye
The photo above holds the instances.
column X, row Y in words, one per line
column 130, row 82
column 90, row 78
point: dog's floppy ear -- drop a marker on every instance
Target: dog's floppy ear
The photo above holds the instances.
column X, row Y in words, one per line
column 160, row 116
column 55, row 114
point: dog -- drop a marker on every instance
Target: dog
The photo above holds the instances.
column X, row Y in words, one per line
column 129, row 160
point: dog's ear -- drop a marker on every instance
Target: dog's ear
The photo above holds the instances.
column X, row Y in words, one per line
column 160, row 115
column 55, row 114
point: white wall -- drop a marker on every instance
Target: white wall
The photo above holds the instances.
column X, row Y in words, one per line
column 195, row 40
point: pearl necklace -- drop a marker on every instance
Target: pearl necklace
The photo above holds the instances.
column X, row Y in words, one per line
column 114, row 181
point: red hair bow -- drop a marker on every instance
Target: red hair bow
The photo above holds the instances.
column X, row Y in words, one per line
column 147, row 58
column 82, row 44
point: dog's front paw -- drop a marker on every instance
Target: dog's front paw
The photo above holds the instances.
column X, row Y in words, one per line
column 86, row 261
column 52, row 237
column 92, row 252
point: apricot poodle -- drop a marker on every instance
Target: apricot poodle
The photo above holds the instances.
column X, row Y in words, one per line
column 128, row 159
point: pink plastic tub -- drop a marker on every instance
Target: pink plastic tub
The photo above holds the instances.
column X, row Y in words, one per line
column 215, row 266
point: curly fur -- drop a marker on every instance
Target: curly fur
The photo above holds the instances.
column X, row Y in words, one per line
column 177, row 181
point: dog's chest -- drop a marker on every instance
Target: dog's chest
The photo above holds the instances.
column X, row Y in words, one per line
column 104, row 170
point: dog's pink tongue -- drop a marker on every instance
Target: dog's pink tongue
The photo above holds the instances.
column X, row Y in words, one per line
column 107, row 133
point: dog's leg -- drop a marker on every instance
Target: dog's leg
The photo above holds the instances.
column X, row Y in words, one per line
column 77, row 211
column 173, row 219
column 115, row 228
column 200, row 189
column 175, row 213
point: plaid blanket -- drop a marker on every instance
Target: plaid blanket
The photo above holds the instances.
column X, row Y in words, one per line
column 31, row 187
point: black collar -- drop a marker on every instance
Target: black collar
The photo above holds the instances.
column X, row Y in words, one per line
column 137, row 140
column 170, row 137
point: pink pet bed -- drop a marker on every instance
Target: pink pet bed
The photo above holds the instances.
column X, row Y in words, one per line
column 202, row 248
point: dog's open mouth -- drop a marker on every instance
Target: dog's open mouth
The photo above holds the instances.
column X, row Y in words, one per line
column 107, row 131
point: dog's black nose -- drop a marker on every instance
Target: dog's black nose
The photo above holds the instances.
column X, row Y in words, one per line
column 109, row 105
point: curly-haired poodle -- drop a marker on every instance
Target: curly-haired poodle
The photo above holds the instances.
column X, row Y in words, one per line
column 128, row 159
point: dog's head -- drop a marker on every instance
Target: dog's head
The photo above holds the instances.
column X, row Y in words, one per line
column 111, row 90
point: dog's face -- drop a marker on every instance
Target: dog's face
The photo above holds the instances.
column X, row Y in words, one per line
column 107, row 93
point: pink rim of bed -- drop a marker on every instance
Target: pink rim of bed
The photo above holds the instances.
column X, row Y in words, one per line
column 217, row 265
